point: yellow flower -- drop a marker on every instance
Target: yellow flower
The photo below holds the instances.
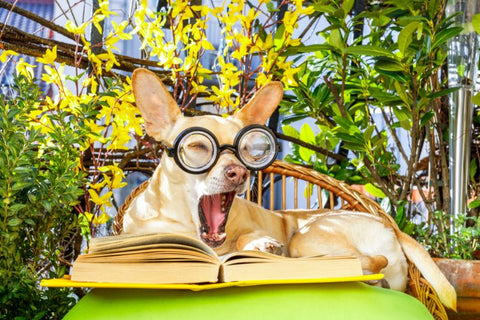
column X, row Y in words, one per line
column 101, row 219
column 117, row 175
column 98, row 186
column 119, row 30
column 103, row 200
column 262, row 79
column 96, row 19
column 308, row 10
column 103, row 8
column 92, row 82
column 265, row 45
column 70, row 26
column 289, row 76
column 197, row 88
column 96, row 132
column 24, row 68
column 120, row 137
column 49, row 56
column 290, row 21
column 110, row 59
column 5, row 54
column 249, row 18
column 205, row 44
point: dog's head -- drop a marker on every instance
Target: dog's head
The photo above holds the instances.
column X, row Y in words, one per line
column 206, row 153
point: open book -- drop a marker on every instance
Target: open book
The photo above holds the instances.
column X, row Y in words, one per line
column 172, row 258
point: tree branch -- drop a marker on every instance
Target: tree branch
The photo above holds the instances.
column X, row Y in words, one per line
column 44, row 22
column 311, row 147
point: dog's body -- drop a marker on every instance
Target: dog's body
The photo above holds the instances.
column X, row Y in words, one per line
column 179, row 202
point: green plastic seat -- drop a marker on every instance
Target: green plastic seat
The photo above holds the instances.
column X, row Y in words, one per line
column 352, row 300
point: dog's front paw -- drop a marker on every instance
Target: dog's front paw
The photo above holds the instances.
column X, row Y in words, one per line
column 265, row 244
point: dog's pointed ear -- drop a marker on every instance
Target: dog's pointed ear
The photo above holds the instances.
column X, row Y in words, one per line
column 262, row 104
column 158, row 108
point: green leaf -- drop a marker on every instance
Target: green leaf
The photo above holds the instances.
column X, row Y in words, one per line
column 474, row 204
column 278, row 40
column 347, row 5
column 476, row 22
column 403, row 116
column 306, row 154
column 426, row 117
column 473, row 169
column 400, row 217
column 290, row 131
column 445, row 35
column 387, row 64
column 409, row 227
column 19, row 185
column 335, row 39
column 17, row 207
column 327, row 9
column 402, row 92
column 368, row 50
column 443, row 92
column 398, row 76
column 405, row 37
column 307, row 134
column 368, row 133
column 307, row 49
column 374, row 191
column 271, row 7
column 14, row 222
column 476, row 99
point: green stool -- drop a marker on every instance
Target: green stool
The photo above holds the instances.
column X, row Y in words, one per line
column 352, row 300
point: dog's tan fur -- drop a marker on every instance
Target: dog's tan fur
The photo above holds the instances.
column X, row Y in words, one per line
column 170, row 203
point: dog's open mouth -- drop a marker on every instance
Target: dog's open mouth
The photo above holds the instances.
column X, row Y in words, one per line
column 213, row 211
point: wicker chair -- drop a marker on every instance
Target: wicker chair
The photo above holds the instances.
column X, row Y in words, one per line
column 322, row 192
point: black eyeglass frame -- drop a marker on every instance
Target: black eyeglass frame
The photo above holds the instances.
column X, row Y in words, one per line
column 218, row 149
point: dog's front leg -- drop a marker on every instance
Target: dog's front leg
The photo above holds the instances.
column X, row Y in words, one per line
column 260, row 242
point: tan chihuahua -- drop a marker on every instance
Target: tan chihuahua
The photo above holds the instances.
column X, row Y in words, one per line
column 206, row 163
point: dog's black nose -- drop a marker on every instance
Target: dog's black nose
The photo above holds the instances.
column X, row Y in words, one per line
column 236, row 174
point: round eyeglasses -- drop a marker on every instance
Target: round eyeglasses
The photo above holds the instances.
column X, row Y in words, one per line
column 196, row 149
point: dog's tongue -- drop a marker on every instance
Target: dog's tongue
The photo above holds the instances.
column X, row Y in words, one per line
column 212, row 209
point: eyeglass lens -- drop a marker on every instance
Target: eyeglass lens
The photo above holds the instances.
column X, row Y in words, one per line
column 197, row 150
column 255, row 148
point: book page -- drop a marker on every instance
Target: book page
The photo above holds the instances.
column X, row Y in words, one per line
column 252, row 256
column 189, row 272
column 151, row 254
column 164, row 247
column 290, row 268
column 129, row 240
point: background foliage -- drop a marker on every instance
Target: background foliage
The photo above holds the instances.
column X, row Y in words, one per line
column 40, row 182
column 378, row 90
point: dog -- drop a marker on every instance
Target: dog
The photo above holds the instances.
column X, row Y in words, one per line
column 193, row 192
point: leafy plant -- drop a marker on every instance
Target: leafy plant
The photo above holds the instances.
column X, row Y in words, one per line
column 462, row 243
column 377, row 88
column 40, row 184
